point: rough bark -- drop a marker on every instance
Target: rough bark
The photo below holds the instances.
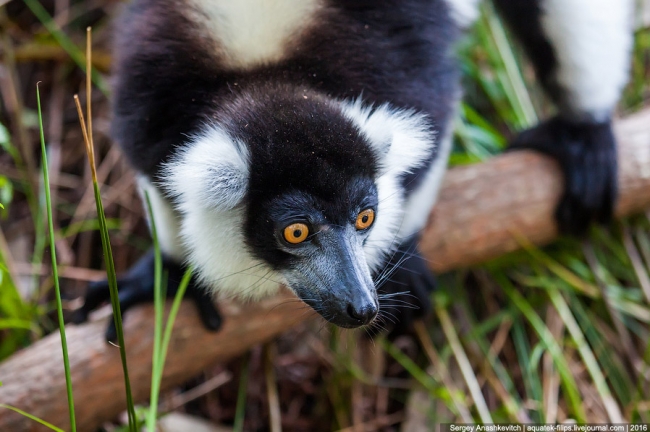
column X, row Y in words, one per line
column 481, row 206
column 479, row 209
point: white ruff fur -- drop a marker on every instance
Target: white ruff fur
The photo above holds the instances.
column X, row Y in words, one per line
column 592, row 40
column 464, row 12
column 420, row 202
column 209, row 179
column 211, row 171
column 217, row 249
column 167, row 221
column 402, row 140
column 254, row 32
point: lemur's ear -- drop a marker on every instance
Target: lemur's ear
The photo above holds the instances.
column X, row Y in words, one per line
column 401, row 139
column 210, row 172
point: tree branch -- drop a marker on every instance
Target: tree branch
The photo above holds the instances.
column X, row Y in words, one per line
column 479, row 209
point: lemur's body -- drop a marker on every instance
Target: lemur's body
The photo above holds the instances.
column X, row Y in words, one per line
column 242, row 116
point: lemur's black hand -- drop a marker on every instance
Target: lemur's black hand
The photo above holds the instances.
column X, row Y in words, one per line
column 586, row 152
column 404, row 287
column 137, row 287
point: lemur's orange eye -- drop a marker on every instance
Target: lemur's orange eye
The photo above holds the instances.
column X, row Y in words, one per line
column 365, row 219
column 296, row 233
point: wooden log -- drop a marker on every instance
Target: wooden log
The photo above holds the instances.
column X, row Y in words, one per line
column 33, row 379
column 479, row 208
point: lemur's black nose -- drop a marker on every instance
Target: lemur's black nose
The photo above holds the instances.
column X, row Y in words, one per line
column 362, row 313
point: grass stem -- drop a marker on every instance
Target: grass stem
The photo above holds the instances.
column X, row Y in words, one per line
column 240, row 410
column 110, row 269
column 55, row 272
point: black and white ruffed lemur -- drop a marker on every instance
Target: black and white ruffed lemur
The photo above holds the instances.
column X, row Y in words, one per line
column 303, row 141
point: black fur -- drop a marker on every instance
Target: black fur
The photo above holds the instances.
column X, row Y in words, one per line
column 308, row 161
column 586, row 152
column 170, row 79
column 386, row 51
column 585, row 148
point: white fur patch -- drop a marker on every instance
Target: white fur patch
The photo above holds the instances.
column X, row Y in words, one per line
column 464, row 12
column 402, row 140
column 208, row 179
column 421, row 201
column 217, row 249
column 167, row 222
column 254, row 32
column 593, row 41
column 210, row 172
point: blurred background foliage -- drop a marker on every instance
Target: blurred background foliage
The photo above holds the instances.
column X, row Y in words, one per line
column 540, row 335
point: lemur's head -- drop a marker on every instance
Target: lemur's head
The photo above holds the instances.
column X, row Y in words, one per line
column 292, row 187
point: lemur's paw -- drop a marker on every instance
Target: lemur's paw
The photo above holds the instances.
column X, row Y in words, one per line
column 137, row 286
column 404, row 287
column 586, row 152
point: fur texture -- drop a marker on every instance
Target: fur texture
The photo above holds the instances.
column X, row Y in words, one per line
column 403, row 140
column 580, row 50
column 245, row 116
column 168, row 84
column 592, row 40
column 249, row 33
column 241, row 108
column 295, row 142
column 166, row 218
column 464, row 12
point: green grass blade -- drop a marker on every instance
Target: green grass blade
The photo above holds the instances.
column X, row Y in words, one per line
column 55, row 272
column 157, row 355
column 464, row 364
column 18, row 315
column 110, row 273
column 568, row 382
column 479, row 345
column 614, row 371
column 513, row 82
column 115, row 302
column 451, row 396
column 587, row 355
column 12, row 323
column 531, row 379
column 29, row 416
column 409, row 365
column 169, row 326
column 64, row 41
column 161, row 338
column 457, row 405
column 240, row 410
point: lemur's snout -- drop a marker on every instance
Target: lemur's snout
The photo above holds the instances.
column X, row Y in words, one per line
column 355, row 298
column 363, row 313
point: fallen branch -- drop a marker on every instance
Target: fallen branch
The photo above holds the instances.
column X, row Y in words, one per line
column 479, row 209
column 481, row 206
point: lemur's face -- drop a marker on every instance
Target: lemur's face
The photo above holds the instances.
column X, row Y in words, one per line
column 311, row 204
column 298, row 189
column 318, row 246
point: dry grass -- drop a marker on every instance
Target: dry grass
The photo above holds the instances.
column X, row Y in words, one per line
column 539, row 336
